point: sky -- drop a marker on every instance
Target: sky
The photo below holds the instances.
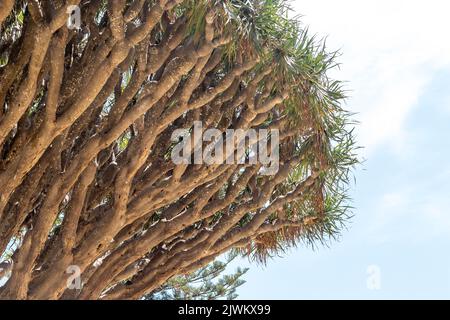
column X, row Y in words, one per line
column 396, row 61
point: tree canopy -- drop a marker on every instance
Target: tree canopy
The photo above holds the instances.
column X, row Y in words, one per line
column 207, row 283
column 86, row 120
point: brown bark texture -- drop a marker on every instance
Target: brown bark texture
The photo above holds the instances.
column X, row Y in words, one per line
column 88, row 188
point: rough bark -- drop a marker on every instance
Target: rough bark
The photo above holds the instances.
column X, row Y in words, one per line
column 85, row 126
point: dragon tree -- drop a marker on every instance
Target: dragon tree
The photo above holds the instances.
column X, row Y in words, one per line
column 92, row 205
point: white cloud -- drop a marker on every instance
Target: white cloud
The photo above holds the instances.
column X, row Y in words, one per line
column 435, row 216
column 391, row 50
column 408, row 214
column 388, row 211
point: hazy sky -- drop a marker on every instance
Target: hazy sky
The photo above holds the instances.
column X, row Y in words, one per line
column 396, row 59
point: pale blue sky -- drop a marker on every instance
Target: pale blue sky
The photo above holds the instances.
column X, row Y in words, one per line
column 396, row 57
